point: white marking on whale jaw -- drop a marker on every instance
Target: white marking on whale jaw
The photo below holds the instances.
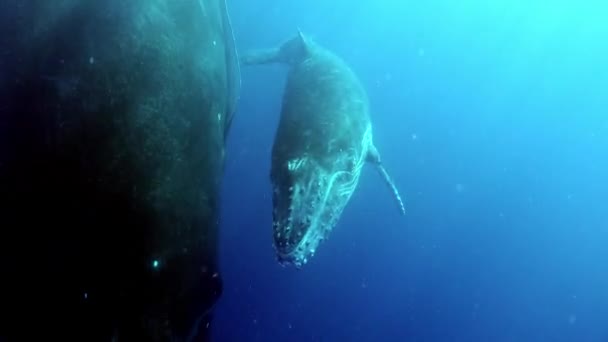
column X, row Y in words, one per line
column 305, row 215
column 295, row 164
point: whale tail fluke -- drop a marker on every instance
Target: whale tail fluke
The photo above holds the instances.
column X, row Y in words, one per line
column 374, row 157
column 263, row 56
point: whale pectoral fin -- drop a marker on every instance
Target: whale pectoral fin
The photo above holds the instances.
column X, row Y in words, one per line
column 374, row 157
column 392, row 186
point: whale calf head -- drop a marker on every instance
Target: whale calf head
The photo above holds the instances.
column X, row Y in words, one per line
column 309, row 196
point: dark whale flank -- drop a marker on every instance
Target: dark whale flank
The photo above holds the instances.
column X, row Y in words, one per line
column 112, row 126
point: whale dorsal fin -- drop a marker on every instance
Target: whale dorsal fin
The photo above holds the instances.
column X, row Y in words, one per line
column 373, row 156
column 305, row 43
column 290, row 52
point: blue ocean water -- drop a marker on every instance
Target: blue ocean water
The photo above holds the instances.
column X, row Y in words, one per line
column 491, row 117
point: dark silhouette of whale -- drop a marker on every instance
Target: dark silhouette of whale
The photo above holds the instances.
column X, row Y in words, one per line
column 113, row 120
column 323, row 140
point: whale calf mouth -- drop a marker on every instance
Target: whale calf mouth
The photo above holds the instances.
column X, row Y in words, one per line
column 308, row 201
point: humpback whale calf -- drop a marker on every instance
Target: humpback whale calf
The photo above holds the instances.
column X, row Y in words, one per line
column 323, row 139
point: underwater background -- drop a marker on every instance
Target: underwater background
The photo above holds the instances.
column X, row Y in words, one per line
column 491, row 116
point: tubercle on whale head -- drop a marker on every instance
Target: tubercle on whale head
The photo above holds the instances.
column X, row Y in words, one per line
column 308, row 200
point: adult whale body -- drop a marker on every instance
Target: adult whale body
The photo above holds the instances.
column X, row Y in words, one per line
column 113, row 116
column 323, row 139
